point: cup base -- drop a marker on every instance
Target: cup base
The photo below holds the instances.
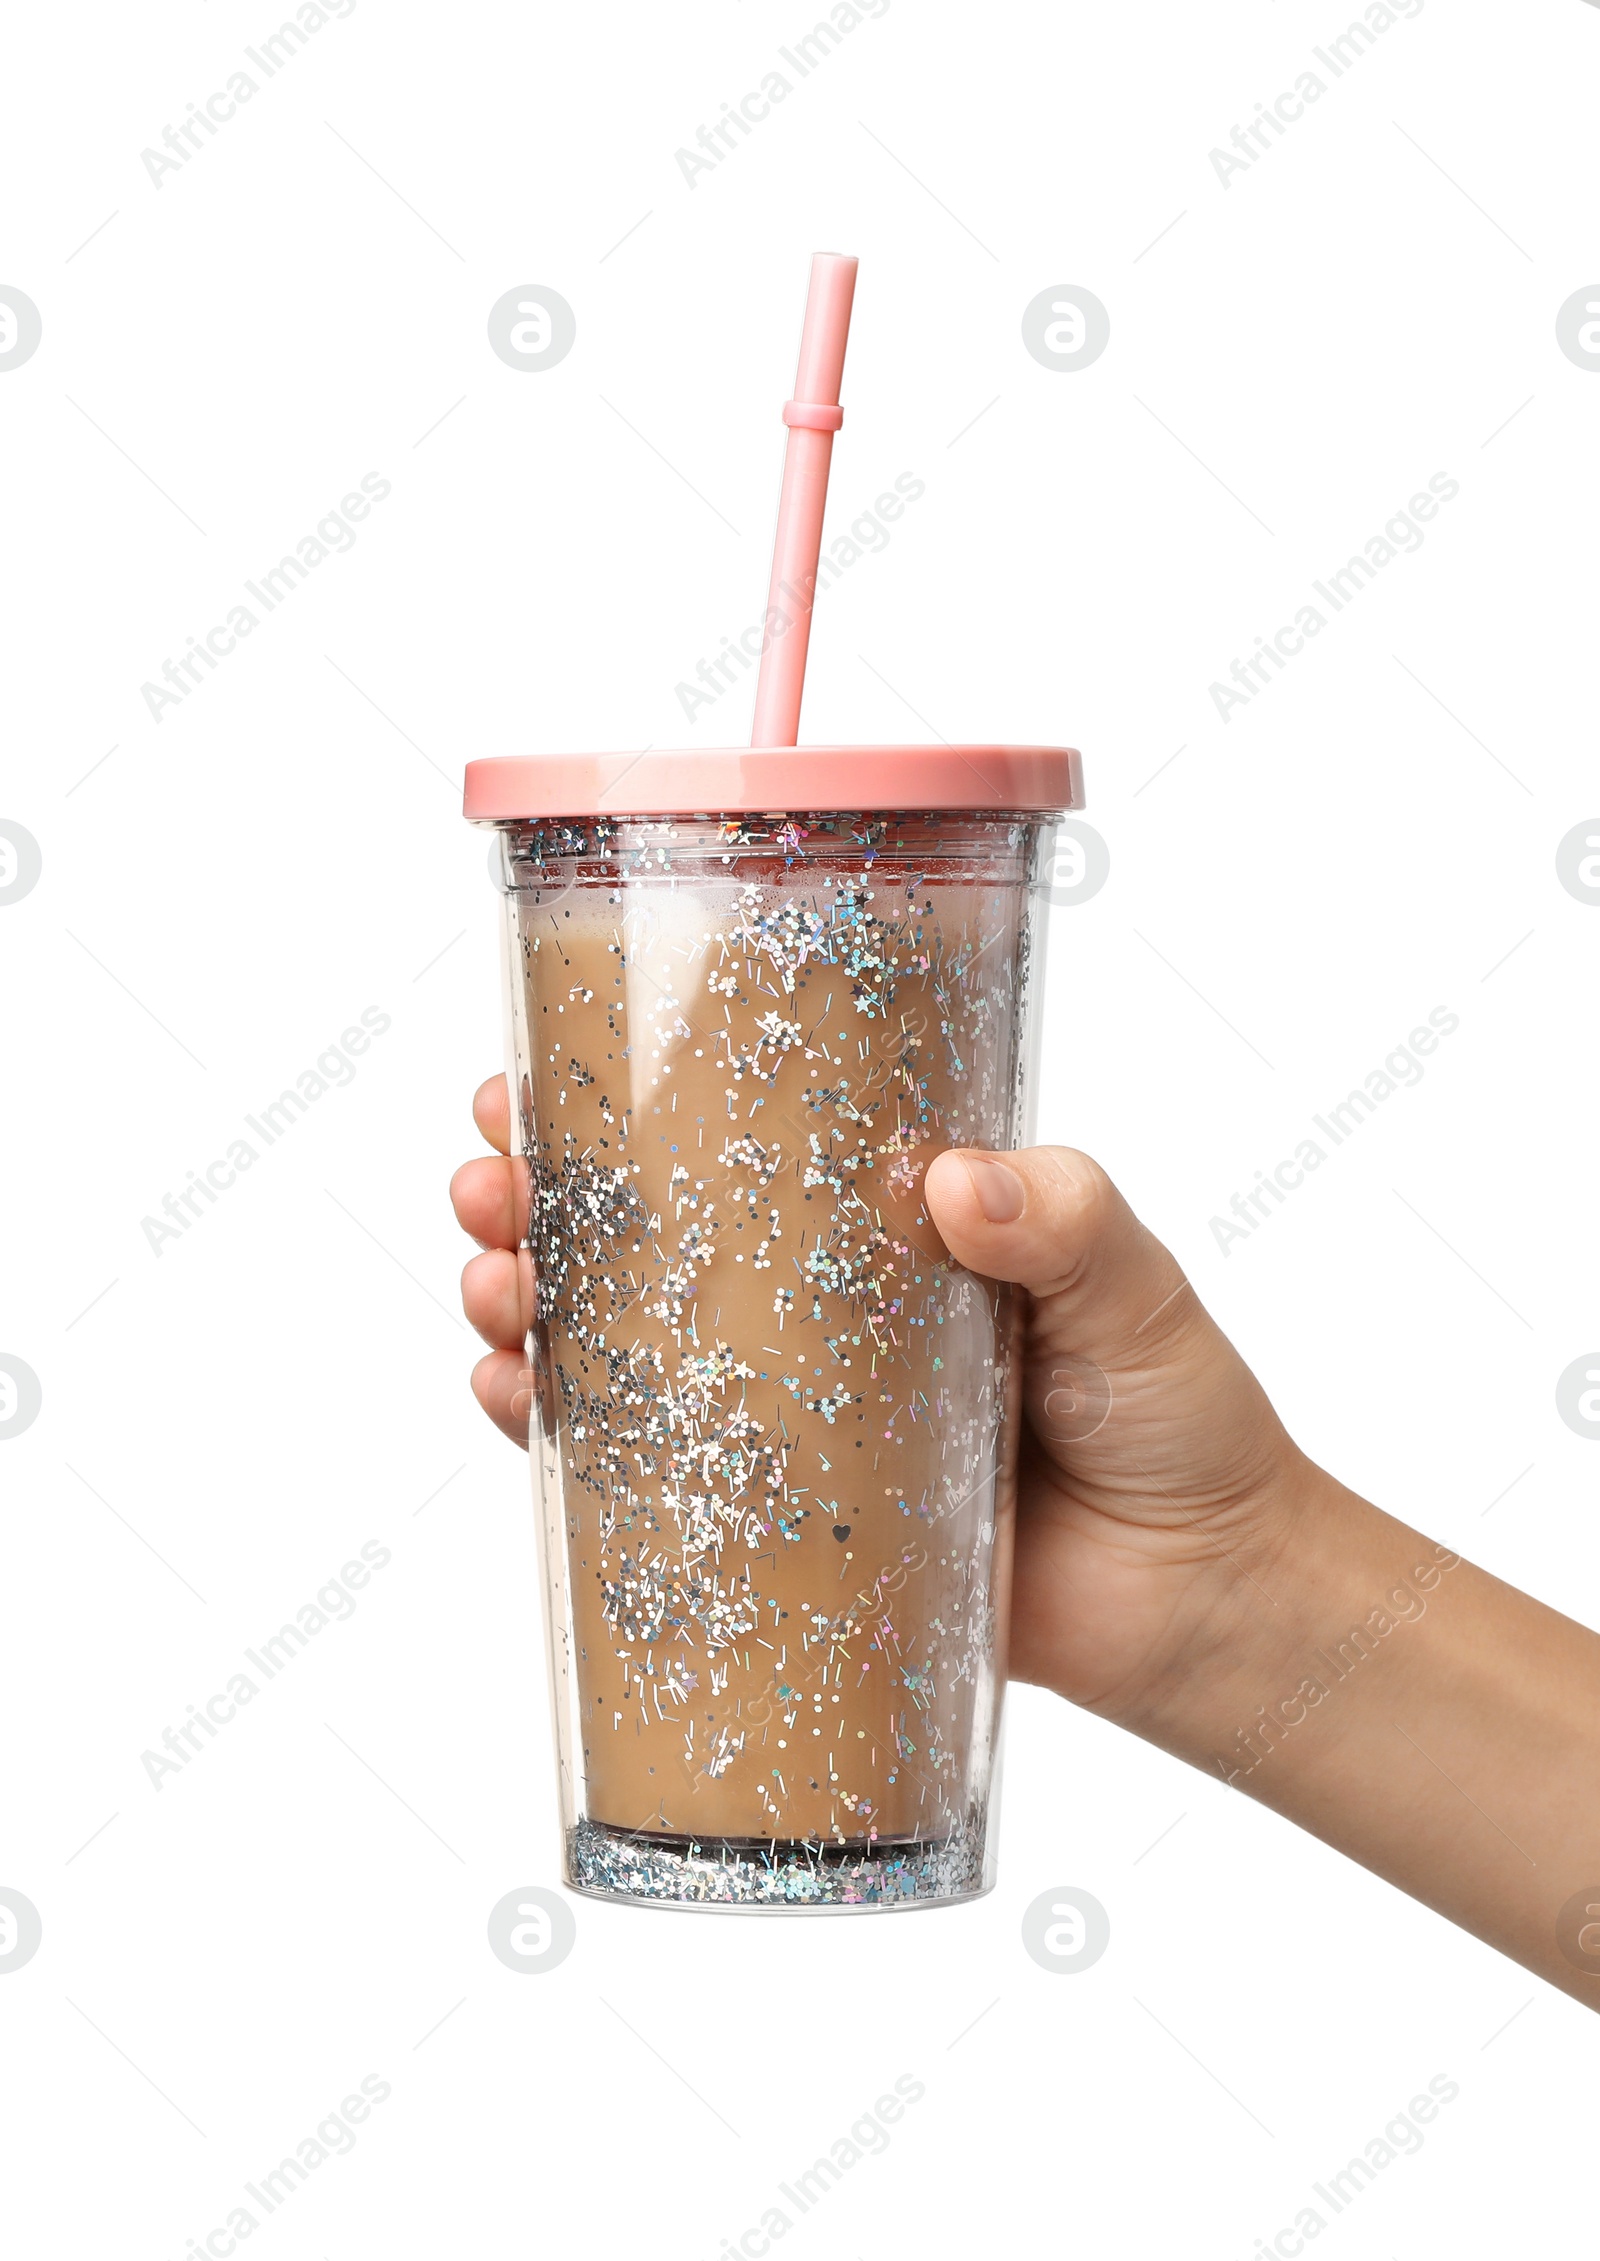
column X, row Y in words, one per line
column 778, row 1876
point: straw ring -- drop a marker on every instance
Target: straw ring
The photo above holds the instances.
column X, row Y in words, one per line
column 811, row 416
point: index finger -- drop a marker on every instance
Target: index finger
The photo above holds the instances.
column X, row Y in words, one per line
column 491, row 1111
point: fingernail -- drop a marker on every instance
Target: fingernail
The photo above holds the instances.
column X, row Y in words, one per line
column 1001, row 1193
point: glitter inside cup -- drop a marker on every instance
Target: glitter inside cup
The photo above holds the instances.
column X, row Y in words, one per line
column 773, row 1428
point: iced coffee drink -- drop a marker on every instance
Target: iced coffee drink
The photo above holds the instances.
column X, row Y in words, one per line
column 772, row 1427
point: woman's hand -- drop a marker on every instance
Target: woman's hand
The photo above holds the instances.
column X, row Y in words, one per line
column 1156, row 1480
column 490, row 1199
column 1183, row 1569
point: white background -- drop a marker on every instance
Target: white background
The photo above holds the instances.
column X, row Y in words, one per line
column 224, row 891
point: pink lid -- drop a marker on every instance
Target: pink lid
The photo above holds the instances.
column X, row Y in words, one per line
column 1032, row 780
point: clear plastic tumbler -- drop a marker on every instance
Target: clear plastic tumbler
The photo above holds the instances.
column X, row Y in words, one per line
column 773, row 1433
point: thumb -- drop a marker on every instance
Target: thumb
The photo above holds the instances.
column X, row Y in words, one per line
column 1053, row 1222
column 1129, row 1385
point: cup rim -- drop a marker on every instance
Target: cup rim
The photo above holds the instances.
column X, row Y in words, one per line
column 746, row 780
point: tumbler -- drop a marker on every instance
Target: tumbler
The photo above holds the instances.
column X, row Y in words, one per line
column 773, row 1434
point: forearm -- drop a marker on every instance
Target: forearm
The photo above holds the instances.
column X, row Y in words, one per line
column 1434, row 1724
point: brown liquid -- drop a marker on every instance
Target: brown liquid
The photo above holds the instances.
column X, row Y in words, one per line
column 775, row 1400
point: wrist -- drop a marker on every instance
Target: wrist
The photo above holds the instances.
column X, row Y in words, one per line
column 1255, row 1645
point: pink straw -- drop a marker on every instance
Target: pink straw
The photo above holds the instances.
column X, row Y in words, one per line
column 813, row 416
